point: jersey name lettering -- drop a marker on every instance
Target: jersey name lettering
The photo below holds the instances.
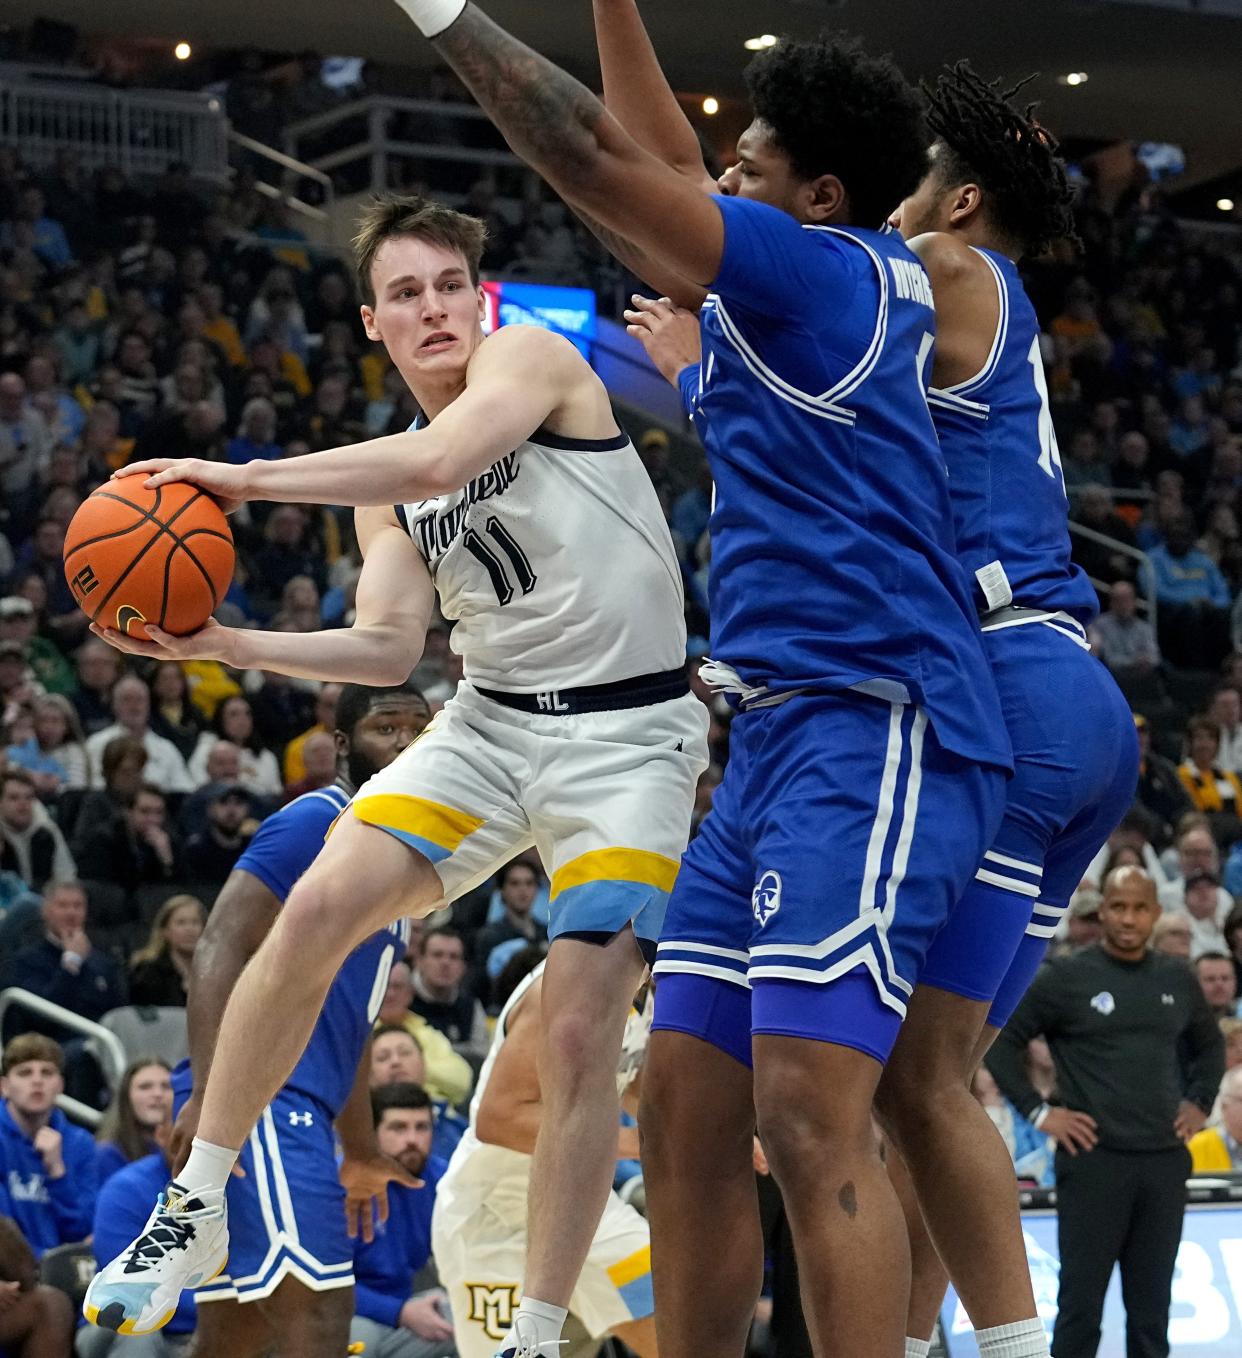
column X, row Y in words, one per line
column 912, row 283
column 437, row 532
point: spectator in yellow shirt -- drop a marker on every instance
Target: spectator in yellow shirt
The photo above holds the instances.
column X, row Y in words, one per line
column 1218, row 1150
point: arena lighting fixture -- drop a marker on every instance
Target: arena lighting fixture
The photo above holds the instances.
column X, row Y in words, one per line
column 183, row 51
column 1073, row 78
column 711, row 106
column 1225, row 204
column 761, row 43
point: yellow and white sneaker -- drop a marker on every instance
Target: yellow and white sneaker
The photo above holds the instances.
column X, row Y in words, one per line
column 185, row 1244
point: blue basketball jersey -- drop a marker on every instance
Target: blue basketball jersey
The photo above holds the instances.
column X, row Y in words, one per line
column 283, row 848
column 1005, row 480
column 833, row 557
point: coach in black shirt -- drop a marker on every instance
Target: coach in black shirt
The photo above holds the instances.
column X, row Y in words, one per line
column 1114, row 1015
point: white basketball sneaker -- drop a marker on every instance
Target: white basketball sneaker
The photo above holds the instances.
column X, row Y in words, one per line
column 185, row 1245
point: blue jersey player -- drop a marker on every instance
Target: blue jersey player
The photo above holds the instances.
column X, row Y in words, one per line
column 288, row 1283
column 868, row 758
column 996, row 192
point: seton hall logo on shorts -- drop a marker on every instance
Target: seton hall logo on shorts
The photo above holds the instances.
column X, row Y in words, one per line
column 1103, row 1003
column 493, row 1305
column 766, row 899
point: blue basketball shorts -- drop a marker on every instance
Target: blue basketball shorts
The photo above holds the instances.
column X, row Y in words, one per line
column 287, row 1216
column 1076, row 769
column 839, row 840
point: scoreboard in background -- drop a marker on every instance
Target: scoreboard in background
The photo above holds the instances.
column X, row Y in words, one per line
column 1205, row 1320
column 569, row 311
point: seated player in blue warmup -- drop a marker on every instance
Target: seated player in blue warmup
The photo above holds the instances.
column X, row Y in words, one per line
column 996, row 192
column 868, row 758
column 391, row 1319
column 120, row 1213
column 290, row 1259
column 47, row 1163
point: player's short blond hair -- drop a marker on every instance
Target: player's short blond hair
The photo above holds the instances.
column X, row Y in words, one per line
column 394, row 214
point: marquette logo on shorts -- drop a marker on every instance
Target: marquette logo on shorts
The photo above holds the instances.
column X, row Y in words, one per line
column 1103, row 1003
column 766, row 900
column 493, row 1305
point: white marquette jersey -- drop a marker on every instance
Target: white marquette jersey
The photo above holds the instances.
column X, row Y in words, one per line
column 482, row 1167
column 557, row 566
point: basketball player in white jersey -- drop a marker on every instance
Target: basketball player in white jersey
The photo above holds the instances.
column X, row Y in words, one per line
column 478, row 1229
column 522, row 505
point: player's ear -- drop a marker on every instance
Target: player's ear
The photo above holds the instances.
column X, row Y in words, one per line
column 825, row 197
column 369, row 325
column 341, row 740
column 482, row 300
column 966, row 201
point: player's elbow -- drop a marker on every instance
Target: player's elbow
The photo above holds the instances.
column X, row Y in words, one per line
column 383, row 653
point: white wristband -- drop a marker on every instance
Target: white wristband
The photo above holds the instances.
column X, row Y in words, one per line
column 432, row 17
column 1039, row 1116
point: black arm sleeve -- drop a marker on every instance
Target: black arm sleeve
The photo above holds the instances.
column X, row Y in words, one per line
column 1006, row 1061
column 1205, row 1048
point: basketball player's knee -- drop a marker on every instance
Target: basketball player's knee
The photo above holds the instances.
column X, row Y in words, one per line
column 314, row 910
column 805, row 1130
column 318, row 1325
column 576, row 1049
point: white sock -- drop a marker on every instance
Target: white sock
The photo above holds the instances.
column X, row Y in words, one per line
column 433, row 16
column 548, row 1321
column 917, row 1348
column 207, row 1170
column 1022, row 1339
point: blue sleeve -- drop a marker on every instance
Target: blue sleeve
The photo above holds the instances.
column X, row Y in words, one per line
column 109, row 1160
column 1220, row 587
column 688, row 385
column 286, row 844
column 778, row 268
column 376, row 1306
column 120, row 1215
column 380, row 1270
column 73, row 1194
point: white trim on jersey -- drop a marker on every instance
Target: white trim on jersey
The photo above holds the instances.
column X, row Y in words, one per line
column 813, row 405
column 998, row 339
column 975, row 409
column 862, row 370
column 1064, row 623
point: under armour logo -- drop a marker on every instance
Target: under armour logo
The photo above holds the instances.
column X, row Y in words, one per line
column 1103, row 1003
column 766, row 899
column 84, row 582
column 551, row 702
column 1167, row 999
column 301, row 1119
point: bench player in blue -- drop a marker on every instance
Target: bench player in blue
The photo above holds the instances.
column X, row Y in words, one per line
column 868, row 757
column 289, row 1279
column 997, row 192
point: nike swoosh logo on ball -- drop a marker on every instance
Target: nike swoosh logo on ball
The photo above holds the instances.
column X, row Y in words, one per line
column 125, row 615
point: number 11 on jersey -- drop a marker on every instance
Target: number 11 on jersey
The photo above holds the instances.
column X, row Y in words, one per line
column 473, row 542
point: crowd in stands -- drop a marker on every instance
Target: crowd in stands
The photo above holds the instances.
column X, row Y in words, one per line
column 164, row 318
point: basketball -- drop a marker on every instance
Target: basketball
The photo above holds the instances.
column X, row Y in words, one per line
column 134, row 555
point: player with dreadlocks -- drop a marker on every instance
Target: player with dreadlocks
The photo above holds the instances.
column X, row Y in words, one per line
column 997, row 192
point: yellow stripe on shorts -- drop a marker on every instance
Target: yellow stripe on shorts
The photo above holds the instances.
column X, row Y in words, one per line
column 433, row 821
column 616, row 865
column 633, row 1266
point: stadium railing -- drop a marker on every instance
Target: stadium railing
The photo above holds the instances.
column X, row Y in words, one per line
column 1080, row 530
column 141, row 132
column 105, row 1045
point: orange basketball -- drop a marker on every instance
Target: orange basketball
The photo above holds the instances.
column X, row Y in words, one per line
column 134, row 555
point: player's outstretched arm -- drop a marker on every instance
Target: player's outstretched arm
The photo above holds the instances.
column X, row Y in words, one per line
column 638, row 95
column 517, row 378
column 394, row 604
column 559, row 128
